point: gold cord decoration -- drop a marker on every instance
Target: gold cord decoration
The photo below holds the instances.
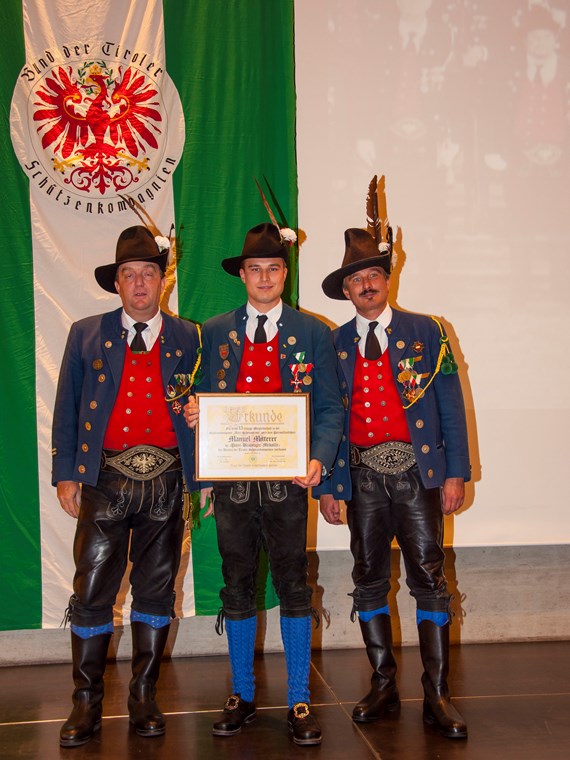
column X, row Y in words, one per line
column 445, row 355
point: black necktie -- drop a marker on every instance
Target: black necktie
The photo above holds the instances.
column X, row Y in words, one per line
column 372, row 348
column 138, row 344
column 260, row 334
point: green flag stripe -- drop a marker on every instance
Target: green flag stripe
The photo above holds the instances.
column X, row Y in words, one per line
column 233, row 64
column 20, row 558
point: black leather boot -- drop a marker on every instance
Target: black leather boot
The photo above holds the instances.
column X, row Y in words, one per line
column 383, row 695
column 438, row 710
column 148, row 646
column 89, row 660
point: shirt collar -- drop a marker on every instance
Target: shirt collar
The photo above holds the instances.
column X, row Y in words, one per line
column 152, row 331
column 383, row 320
column 273, row 315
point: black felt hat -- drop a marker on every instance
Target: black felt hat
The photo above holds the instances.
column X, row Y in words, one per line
column 134, row 244
column 361, row 253
column 261, row 242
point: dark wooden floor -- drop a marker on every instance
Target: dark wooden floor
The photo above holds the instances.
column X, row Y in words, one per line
column 515, row 698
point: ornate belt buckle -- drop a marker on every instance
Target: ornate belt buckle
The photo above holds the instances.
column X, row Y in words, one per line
column 390, row 458
column 141, row 462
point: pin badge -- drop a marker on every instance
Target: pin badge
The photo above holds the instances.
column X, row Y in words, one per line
column 400, row 344
column 291, row 340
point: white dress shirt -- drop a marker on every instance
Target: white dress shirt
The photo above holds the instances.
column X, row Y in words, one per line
column 273, row 317
column 149, row 334
column 383, row 320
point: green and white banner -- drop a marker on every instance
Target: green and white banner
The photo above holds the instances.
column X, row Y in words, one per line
column 177, row 105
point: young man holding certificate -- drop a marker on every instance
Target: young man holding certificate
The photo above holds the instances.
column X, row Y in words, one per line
column 267, row 347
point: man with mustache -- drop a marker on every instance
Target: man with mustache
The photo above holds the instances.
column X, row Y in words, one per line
column 401, row 466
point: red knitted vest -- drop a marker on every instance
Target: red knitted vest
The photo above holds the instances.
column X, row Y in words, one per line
column 376, row 413
column 259, row 369
column 140, row 414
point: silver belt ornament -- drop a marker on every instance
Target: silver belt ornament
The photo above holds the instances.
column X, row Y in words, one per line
column 390, row 458
column 141, row 462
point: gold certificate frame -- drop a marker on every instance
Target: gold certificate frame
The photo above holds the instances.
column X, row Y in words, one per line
column 252, row 436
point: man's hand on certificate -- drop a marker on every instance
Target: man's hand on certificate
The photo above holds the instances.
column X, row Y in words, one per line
column 313, row 476
column 191, row 412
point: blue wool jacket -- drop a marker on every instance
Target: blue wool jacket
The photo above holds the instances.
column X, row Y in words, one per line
column 223, row 340
column 88, row 384
column 436, row 421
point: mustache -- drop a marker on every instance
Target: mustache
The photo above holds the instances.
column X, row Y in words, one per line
column 368, row 291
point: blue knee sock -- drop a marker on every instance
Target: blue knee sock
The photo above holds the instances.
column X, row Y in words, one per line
column 241, row 644
column 439, row 618
column 367, row 615
column 88, row 631
column 155, row 621
column 296, row 635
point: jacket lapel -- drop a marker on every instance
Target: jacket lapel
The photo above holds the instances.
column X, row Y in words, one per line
column 114, row 343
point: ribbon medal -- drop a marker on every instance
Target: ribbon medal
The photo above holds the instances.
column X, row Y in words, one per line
column 298, row 369
column 409, row 378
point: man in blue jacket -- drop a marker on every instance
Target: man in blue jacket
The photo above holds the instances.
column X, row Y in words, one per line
column 267, row 347
column 402, row 464
column 120, row 450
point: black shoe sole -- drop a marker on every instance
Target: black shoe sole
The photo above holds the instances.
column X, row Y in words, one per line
column 80, row 742
column 389, row 708
column 221, row 732
column 431, row 721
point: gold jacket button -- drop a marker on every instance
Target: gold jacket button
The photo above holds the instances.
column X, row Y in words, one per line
column 87, row 426
column 81, row 468
column 339, row 488
column 419, row 424
column 84, row 447
column 93, row 405
column 425, row 449
column 430, row 473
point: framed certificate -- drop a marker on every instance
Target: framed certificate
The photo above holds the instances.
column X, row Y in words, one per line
column 252, row 436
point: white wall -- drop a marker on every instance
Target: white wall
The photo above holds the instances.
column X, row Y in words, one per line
column 476, row 167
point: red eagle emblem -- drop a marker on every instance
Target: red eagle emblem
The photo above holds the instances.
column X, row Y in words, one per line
column 99, row 126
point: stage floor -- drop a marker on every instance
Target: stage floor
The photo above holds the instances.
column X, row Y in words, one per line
column 514, row 697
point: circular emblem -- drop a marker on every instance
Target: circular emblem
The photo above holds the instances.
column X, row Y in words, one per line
column 220, row 374
column 291, row 340
column 97, row 364
column 307, row 380
column 400, row 344
column 92, row 126
column 302, row 367
column 232, row 334
column 343, row 355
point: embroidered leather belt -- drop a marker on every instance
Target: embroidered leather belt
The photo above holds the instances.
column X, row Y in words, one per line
column 390, row 458
column 141, row 462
